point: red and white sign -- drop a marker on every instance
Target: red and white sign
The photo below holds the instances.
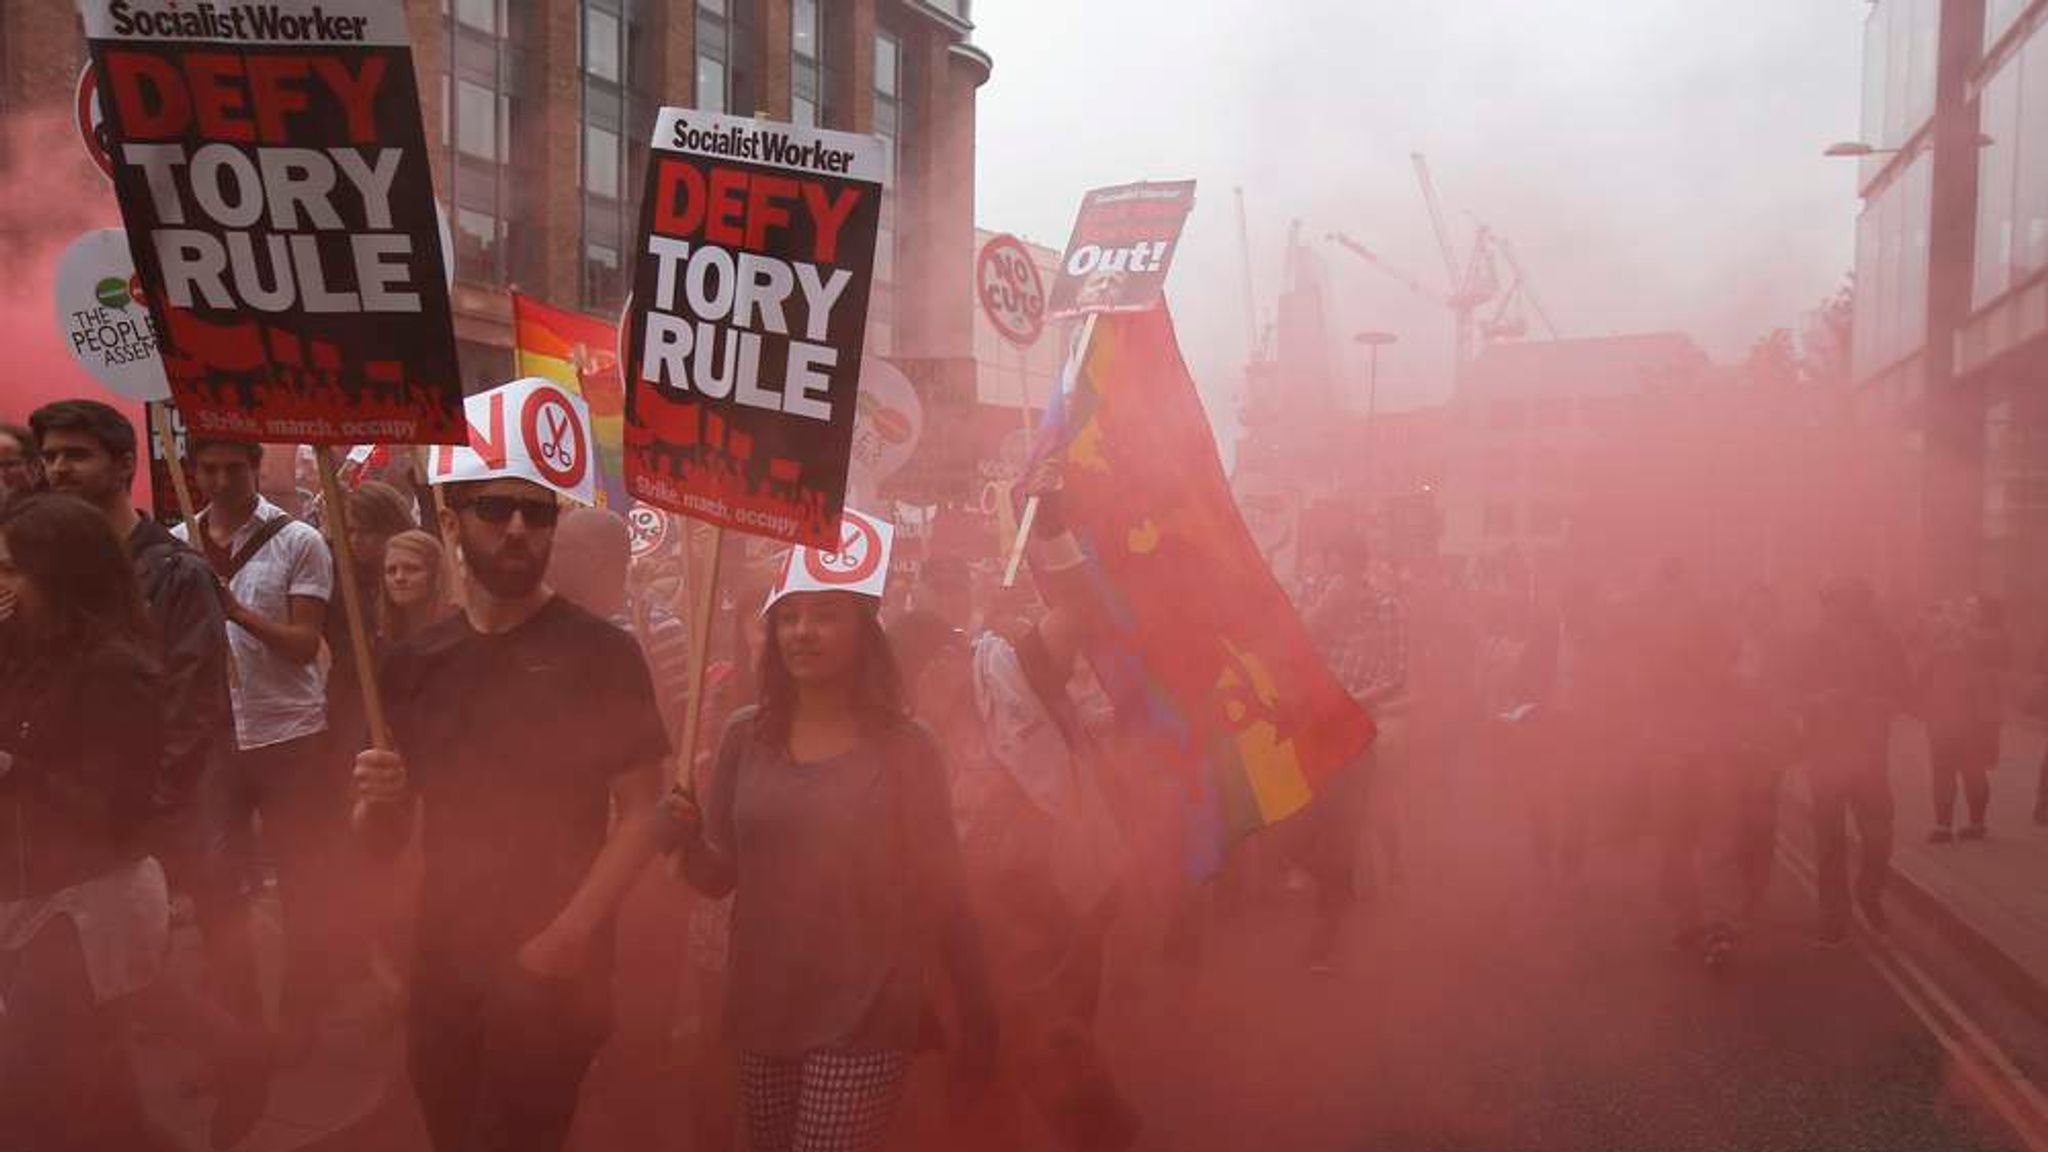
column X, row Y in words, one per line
column 887, row 424
column 104, row 317
column 860, row 565
column 1122, row 247
column 530, row 430
column 649, row 528
column 92, row 123
column 360, row 460
column 1007, row 282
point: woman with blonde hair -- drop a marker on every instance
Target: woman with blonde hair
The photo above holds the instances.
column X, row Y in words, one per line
column 414, row 587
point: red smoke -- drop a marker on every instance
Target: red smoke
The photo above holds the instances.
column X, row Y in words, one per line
column 49, row 194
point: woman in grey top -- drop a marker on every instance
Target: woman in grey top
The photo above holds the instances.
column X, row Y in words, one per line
column 828, row 818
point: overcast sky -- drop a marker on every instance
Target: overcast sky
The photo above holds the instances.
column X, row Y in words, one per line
column 1656, row 162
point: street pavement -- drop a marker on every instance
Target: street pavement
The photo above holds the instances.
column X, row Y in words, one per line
column 1484, row 1007
column 1993, row 893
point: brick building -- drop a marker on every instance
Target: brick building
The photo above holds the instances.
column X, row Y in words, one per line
column 542, row 110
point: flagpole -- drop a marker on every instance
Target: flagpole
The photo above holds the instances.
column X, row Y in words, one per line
column 1075, row 359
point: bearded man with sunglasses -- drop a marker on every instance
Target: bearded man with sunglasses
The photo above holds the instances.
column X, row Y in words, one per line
column 529, row 744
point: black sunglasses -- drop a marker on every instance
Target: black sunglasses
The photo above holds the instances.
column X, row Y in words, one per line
column 499, row 510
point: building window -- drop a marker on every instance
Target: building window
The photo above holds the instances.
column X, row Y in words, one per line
column 476, row 121
column 601, row 36
column 1892, row 238
column 486, row 16
column 484, row 366
column 714, row 56
column 618, row 114
column 889, row 128
column 479, row 243
column 482, row 99
column 806, row 44
column 601, row 160
column 601, row 278
column 1900, row 47
column 2012, row 177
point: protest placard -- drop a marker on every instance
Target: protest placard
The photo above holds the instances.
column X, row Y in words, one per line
column 529, row 429
column 104, row 317
column 749, row 313
column 648, row 529
column 857, row 563
column 1121, row 248
column 887, row 425
column 1012, row 296
column 273, row 176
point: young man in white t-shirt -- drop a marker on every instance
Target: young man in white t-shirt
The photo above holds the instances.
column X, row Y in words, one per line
column 276, row 580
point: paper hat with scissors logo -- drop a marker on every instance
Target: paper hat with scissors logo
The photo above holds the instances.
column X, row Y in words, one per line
column 860, row 566
column 530, row 429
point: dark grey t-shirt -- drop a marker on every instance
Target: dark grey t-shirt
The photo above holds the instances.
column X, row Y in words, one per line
column 842, row 869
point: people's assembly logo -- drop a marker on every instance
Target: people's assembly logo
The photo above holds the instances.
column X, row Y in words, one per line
column 556, row 438
column 857, row 559
column 117, row 292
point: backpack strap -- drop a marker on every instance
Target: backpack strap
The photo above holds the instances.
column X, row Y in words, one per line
column 228, row 567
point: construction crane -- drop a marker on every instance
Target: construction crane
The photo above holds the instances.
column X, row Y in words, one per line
column 1472, row 285
column 1522, row 289
column 1253, row 351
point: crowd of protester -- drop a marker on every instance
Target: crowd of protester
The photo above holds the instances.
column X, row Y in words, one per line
column 911, row 827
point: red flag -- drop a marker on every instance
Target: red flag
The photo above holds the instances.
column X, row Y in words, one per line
column 1220, row 646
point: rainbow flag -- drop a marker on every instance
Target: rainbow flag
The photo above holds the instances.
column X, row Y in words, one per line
column 1203, row 648
column 581, row 354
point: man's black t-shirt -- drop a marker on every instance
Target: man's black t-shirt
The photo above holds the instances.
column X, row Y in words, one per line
column 513, row 739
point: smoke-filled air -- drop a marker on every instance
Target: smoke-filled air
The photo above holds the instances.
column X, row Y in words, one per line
column 1053, row 576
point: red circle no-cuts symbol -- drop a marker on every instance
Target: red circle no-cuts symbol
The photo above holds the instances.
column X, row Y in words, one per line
column 92, row 123
column 859, row 555
column 555, row 437
column 649, row 528
column 1007, row 282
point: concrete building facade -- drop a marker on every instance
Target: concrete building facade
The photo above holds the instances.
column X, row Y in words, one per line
column 1952, row 284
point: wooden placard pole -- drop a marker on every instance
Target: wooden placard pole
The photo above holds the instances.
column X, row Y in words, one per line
column 1024, row 393
column 174, row 462
column 1077, row 357
column 704, row 613
column 352, row 598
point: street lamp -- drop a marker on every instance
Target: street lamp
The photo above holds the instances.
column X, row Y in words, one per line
column 1374, row 341
column 1857, row 149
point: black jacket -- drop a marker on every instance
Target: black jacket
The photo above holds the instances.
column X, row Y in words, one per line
column 84, row 741
column 185, row 605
